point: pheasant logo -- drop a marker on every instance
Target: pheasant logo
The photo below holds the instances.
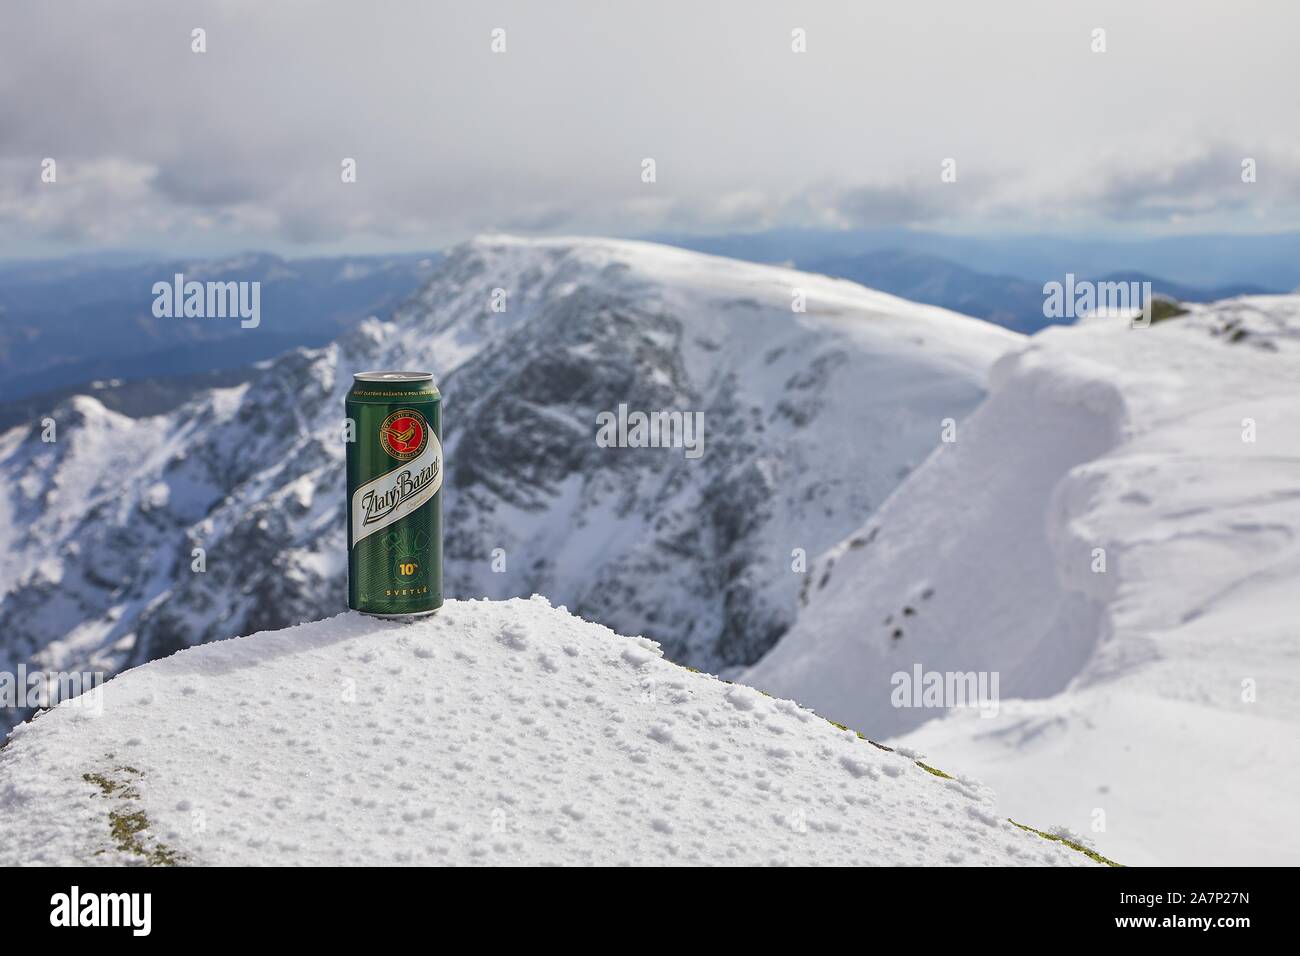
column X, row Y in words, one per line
column 404, row 434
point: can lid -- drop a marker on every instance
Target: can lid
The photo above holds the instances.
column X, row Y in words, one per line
column 393, row 376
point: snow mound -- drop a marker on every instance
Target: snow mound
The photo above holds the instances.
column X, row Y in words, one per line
column 493, row 732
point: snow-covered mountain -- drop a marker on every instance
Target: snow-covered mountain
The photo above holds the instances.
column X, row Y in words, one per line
column 492, row 733
column 810, row 420
column 1116, row 534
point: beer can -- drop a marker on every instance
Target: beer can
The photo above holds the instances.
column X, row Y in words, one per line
column 395, row 468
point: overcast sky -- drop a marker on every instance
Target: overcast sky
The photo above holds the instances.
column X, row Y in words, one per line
column 158, row 147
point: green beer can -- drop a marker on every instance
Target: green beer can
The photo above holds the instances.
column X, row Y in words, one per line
column 394, row 494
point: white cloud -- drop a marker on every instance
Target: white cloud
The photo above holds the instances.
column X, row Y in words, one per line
column 242, row 144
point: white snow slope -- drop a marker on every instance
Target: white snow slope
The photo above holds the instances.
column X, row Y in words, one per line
column 1159, row 698
column 493, row 732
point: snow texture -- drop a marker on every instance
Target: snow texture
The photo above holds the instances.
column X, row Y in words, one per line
column 491, row 733
column 1155, row 704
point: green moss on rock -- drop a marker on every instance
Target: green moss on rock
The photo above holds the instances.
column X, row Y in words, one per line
column 1086, row 851
column 128, row 827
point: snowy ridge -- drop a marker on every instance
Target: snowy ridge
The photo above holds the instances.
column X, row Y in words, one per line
column 490, row 733
column 913, row 573
column 1119, row 687
column 810, row 420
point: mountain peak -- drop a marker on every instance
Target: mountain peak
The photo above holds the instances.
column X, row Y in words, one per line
column 813, row 396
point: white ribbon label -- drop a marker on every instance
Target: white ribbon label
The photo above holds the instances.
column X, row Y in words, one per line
column 380, row 502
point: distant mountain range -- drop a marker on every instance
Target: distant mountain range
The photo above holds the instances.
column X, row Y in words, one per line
column 69, row 322
column 85, row 323
column 1269, row 261
column 1007, row 300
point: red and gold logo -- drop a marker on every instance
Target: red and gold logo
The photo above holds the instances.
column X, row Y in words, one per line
column 404, row 434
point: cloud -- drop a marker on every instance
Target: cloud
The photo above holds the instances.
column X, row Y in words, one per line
column 1194, row 182
column 1142, row 184
column 100, row 200
column 242, row 145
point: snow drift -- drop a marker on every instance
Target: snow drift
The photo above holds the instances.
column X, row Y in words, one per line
column 1116, row 534
column 493, row 732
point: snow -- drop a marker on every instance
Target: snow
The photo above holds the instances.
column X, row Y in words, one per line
column 490, row 733
column 810, row 420
column 778, row 391
column 1159, row 698
column 1155, row 704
